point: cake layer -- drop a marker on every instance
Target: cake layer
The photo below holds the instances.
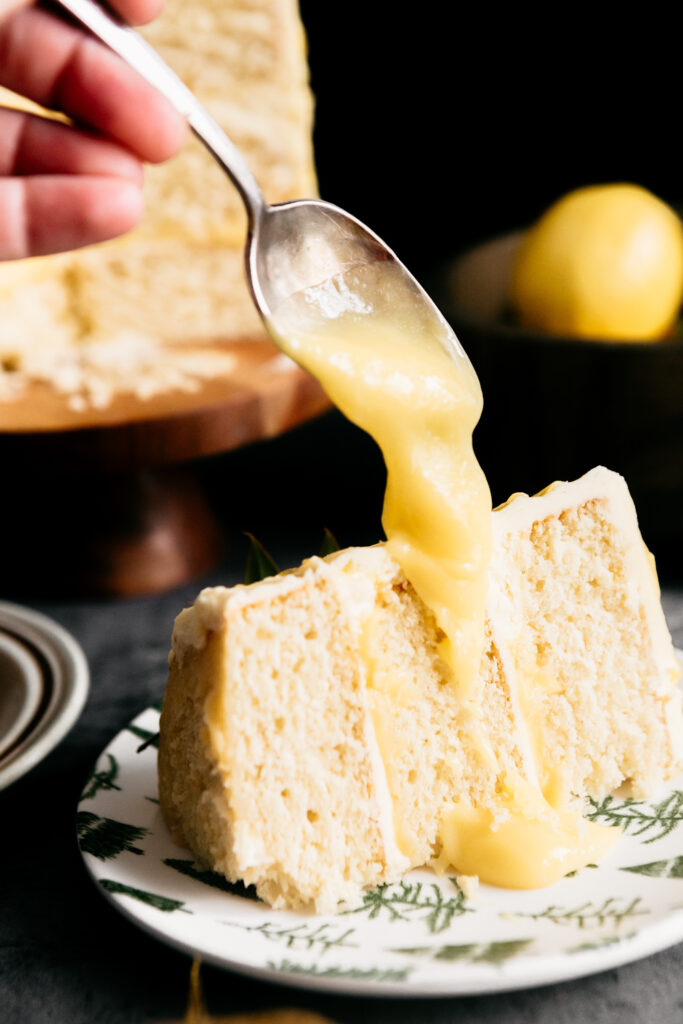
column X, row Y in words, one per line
column 574, row 596
column 269, row 767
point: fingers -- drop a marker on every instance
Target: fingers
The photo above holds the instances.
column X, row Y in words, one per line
column 138, row 12
column 56, row 65
column 71, row 188
column 31, row 145
column 45, row 214
column 135, row 12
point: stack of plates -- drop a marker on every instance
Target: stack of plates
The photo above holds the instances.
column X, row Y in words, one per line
column 43, row 685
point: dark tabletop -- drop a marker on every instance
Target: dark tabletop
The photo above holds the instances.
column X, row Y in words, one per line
column 66, row 955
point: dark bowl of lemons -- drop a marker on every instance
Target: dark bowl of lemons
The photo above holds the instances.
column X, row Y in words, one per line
column 573, row 328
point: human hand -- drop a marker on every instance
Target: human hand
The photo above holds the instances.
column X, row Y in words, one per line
column 62, row 186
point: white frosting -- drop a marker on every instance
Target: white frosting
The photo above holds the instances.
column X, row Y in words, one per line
column 359, row 594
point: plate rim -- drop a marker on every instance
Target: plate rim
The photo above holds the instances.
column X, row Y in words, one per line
column 597, row 961
column 33, row 693
column 70, row 689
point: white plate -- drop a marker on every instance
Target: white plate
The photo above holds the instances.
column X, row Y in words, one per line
column 21, row 690
column 53, row 660
column 420, row 937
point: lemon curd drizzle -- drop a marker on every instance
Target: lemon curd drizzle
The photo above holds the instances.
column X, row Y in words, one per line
column 393, row 366
column 524, row 843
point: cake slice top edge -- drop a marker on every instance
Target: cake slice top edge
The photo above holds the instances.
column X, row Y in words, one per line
column 212, row 605
column 598, row 482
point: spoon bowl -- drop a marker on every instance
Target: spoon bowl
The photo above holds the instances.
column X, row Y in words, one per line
column 309, row 261
column 301, row 244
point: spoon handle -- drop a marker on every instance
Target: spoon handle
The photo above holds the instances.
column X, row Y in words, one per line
column 144, row 59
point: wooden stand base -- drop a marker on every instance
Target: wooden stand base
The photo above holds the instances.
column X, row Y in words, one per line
column 118, row 535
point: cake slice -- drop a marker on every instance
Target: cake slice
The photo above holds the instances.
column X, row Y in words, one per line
column 313, row 741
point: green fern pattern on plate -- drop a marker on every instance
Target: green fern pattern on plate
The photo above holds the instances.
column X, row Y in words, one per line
column 376, row 974
column 408, row 900
column 639, row 818
column 608, row 940
column 152, row 899
column 149, row 738
column 189, row 868
column 588, row 915
column 472, row 952
column 105, row 778
column 302, row 936
column 659, row 868
column 106, row 838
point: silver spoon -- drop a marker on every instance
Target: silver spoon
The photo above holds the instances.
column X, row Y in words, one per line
column 291, row 247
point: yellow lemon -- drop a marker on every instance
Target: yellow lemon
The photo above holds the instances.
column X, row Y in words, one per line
column 603, row 262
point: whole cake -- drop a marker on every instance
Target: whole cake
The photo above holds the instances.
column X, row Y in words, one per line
column 315, row 741
column 137, row 315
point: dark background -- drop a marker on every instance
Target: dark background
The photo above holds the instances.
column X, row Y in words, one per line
column 452, row 122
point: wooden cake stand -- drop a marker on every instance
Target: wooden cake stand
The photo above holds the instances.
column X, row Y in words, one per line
column 99, row 502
